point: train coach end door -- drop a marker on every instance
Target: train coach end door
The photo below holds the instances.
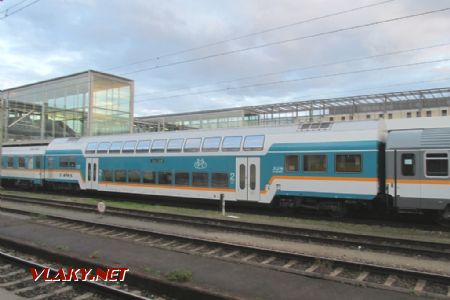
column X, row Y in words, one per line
column 248, row 178
column 91, row 173
column 408, row 190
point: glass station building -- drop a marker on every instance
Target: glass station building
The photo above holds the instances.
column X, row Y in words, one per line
column 82, row 104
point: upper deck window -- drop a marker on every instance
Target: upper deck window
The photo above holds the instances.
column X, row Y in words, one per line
column 232, row 143
column 129, row 146
column 115, row 147
column 254, row 142
column 159, row 145
column 211, row 144
column 192, row 145
column 90, row 148
column 103, row 147
column 175, row 145
column 143, row 146
column 437, row 164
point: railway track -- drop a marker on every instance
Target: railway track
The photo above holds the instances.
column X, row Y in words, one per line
column 358, row 273
column 15, row 278
column 348, row 240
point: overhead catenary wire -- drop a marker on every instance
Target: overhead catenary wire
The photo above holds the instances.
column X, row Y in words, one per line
column 306, row 68
column 267, row 30
column 12, row 6
column 8, row 14
column 320, row 96
column 240, row 37
column 286, row 41
column 298, row 79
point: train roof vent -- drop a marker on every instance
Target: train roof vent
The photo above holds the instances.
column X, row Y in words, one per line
column 73, row 139
column 436, row 137
column 315, row 126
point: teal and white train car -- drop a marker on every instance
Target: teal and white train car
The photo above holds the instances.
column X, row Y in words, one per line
column 294, row 164
column 23, row 166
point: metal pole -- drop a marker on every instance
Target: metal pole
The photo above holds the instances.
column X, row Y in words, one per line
column 2, row 121
column 222, row 200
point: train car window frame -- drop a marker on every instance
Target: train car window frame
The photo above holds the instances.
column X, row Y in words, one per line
column 121, row 172
column 38, row 162
column 143, row 146
column 10, row 162
column 432, row 157
column 200, row 179
column 149, row 179
column 165, row 178
column 231, row 143
column 67, row 162
column 192, row 145
column 254, row 142
column 211, row 144
column 129, row 146
column 107, row 175
column 287, row 163
column 51, row 162
column 175, row 145
column 134, row 176
column 217, row 182
column 305, row 159
column 116, row 147
column 21, row 162
column 348, row 155
column 159, row 145
column 103, row 147
column 408, row 164
column 182, row 178
column 91, row 148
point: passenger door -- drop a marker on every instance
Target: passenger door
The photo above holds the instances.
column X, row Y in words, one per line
column 248, row 178
column 408, row 190
column 92, row 173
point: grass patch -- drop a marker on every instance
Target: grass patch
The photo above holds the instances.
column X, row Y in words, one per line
column 179, row 276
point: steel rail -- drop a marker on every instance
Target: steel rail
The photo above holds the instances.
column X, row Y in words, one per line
column 356, row 241
column 308, row 265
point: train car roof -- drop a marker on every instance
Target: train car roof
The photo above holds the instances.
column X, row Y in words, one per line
column 304, row 133
column 419, row 133
column 24, row 150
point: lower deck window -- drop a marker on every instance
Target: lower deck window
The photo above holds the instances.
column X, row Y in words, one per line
column 315, row 163
column 120, row 176
column 38, row 160
column 134, row 176
column 10, row 162
column 291, row 163
column 107, row 175
column 21, row 162
column 350, row 163
column 219, row 179
column 200, row 179
column 165, row 178
column 148, row 177
column 182, row 178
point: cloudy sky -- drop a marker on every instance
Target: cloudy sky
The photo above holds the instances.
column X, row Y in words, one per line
column 189, row 55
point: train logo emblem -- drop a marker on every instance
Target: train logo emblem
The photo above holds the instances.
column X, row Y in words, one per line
column 200, row 164
column 277, row 170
